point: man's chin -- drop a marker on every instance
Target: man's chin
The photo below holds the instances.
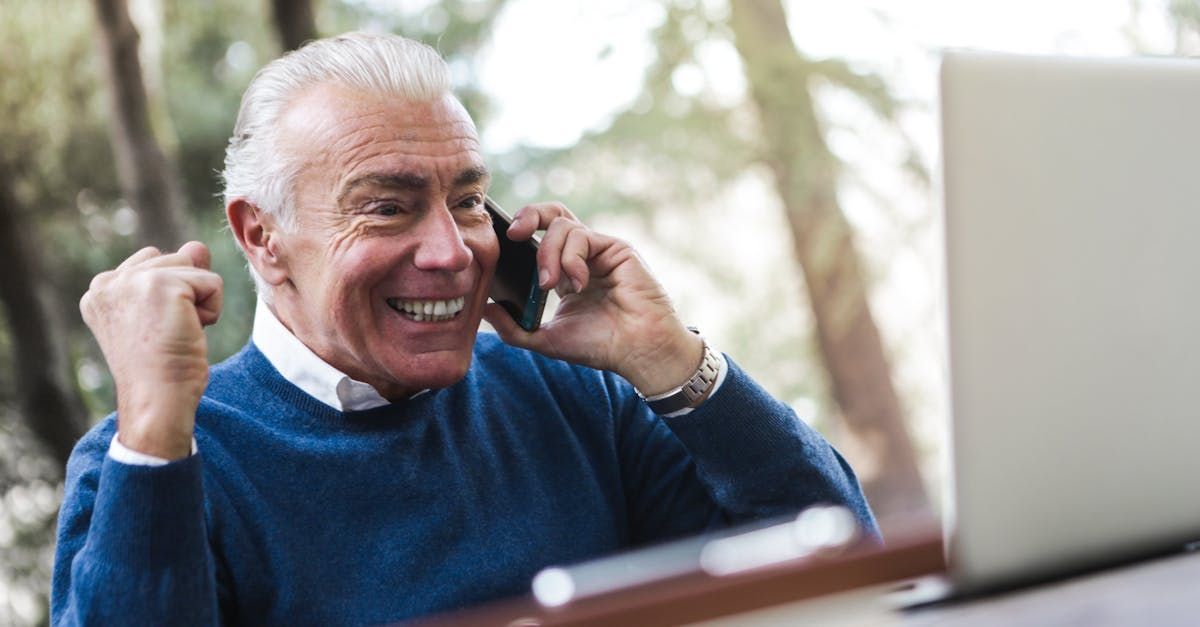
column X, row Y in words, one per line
column 425, row 372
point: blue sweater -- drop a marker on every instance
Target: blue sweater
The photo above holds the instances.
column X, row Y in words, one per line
column 294, row 513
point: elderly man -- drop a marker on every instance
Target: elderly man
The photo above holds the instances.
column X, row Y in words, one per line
column 366, row 457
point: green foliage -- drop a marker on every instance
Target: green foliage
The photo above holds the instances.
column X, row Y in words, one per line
column 1186, row 12
column 50, row 106
column 213, row 50
column 53, row 136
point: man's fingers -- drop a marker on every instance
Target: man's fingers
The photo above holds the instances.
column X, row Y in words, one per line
column 178, row 259
column 198, row 253
column 140, row 256
column 85, row 307
column 535, row 217
column 575, row 254
column 210, row 295
column 100, row 280
column 203, row 282
column 523, row 225
column 550, row 252
column 559, row 223
column 205, row 289
column 192, row 253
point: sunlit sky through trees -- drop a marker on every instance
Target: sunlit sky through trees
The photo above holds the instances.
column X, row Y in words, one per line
column 556, row 70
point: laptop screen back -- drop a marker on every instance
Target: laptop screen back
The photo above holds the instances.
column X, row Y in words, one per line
column 1072, row 200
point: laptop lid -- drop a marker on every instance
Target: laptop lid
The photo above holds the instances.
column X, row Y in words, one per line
column 1072, row 201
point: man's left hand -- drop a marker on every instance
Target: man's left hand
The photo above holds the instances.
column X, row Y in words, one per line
column 613, row 315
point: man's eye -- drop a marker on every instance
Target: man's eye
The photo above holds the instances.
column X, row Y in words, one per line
column 387, row 210
column 472, row 202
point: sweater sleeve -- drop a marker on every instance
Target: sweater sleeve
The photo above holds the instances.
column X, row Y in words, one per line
column 739, row 457
column 132, row 547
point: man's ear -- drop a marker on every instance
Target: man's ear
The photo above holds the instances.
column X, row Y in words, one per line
column 258, row 235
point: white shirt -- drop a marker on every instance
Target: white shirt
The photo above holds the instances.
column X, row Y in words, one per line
column 299, row 365
column 304, row 369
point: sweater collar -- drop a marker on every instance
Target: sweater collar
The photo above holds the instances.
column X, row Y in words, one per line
column 304, row 369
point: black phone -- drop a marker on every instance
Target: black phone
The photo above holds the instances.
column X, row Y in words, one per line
column 515, row 286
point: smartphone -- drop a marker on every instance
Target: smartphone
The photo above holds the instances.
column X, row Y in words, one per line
column 515, row 286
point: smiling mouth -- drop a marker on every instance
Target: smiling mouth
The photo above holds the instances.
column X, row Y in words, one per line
column 428, row 310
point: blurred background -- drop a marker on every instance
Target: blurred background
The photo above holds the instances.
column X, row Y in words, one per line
column 774, row 161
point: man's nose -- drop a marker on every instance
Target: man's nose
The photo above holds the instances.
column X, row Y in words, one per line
column 441, row 245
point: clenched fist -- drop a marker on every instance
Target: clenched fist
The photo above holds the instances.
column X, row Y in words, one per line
column 149, row 316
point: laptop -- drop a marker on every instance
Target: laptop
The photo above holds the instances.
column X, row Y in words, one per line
column 1072, row 204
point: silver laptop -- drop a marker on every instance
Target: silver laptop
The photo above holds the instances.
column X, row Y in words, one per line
column 1072, row 200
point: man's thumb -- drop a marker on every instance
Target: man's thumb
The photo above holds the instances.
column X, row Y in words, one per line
column 201, row 258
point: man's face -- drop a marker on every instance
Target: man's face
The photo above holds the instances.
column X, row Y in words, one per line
column 390, row 221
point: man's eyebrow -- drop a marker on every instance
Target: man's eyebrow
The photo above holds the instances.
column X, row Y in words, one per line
column 401, row 181
column 409, row 181
column 470, row 176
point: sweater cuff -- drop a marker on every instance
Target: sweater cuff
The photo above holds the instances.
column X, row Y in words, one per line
column 149, row 517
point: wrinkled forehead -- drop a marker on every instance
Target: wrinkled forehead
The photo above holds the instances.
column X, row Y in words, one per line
column 334, row 135
column 332, row 121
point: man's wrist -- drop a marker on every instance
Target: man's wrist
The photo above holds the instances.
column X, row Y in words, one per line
column 695, row 390
column 153, row 424
column 670, row 367
column 169, row 440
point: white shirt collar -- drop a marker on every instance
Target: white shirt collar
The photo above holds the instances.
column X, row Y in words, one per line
column 304, row 369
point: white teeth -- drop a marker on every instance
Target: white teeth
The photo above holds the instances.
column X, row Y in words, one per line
column 435, row 310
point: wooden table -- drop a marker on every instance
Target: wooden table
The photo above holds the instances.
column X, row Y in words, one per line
column 859, row 587
column 698, row 597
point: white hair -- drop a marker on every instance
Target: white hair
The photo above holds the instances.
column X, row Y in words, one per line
column 255, row 168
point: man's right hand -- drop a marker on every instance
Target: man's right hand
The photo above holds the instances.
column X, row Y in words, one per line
column 148, row 316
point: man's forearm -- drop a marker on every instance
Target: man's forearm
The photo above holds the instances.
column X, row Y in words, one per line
column 760, row 460
column 132, row 547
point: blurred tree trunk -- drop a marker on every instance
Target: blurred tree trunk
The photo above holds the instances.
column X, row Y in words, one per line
column 294, row 22
column 49, row 401
column 148, row 180
column 806, row 177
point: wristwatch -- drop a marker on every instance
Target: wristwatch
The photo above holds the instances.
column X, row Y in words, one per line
column 694, row 390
